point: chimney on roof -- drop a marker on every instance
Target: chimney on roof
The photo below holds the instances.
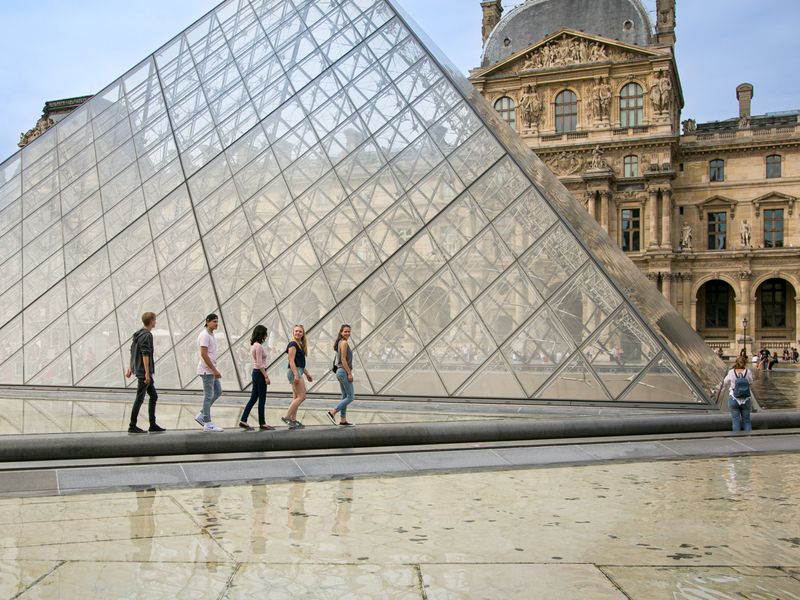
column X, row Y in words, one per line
column 492, row 11
column 744, row 94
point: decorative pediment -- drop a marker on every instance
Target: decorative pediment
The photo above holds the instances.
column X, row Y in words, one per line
column 565, row 48
column 717, row 202
column 773, row 198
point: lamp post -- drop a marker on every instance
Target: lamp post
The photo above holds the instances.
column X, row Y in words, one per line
column 744, row 339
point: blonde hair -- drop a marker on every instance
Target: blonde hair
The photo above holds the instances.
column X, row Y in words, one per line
column 741, row 363
column 303, row 342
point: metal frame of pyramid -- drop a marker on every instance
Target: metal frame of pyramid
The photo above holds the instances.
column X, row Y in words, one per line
column 319, row 162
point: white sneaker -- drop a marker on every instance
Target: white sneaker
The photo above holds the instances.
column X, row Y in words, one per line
column 211, row 427
column 199, row 419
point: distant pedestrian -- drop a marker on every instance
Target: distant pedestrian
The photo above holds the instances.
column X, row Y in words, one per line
column 207, row 369
column 295, row 369
column 260, row 380
column 740, row 401
column 142, row 363
column 343, row 360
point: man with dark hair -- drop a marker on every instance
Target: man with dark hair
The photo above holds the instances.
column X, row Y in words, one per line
column 207, row 369
column 143, row 365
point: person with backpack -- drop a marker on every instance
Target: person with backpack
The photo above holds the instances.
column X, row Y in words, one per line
column 343, row 367
column 142, row 365
column 740, row 402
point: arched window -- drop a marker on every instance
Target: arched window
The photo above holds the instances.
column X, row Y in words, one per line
column 716, row 170
column 717, row 300
column 773, row 166
column 773, row 303
column 631, row 105
column 508, row 110
column 566, row 111
column 630, row 166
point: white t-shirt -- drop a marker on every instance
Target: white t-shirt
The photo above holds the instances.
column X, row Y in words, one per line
column 730, row 379
column 206, row 338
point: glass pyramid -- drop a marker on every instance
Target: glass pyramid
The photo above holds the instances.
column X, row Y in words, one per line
column 314, row 162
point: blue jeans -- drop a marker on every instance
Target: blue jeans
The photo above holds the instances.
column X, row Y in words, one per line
column 290, row 375
column 212, row 390
column 259, row 393
column 740, row 414
column 347, row 392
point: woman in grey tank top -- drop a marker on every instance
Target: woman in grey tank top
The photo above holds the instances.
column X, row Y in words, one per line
column 343, row 360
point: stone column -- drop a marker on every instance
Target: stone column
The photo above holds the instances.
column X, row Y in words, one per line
column 796, row 335
column 666, row 286
column 693, row 313
column 666, row 219
column 590, row 205
column 604, row 197
column 611, row 219
column 687, row 295
column 652, row 219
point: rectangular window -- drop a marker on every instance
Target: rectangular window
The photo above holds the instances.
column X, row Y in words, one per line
column 630, row 229
column 717, row 230
column 717, row 301
column 630, row 166
column 773, row 303
column 716, row 170
column 773, row 228
column 773, row 166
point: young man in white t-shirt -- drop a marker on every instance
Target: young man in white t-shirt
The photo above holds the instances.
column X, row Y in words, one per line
column 207, row 369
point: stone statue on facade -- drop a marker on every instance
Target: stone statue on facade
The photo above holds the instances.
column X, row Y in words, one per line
column 689, row 126
column 661, row 95
column 686, row 237
column 601, row 99
column 598, row 163
column 532, row 108
column 666, row 18
column 565, row 163
column 43, row 124
column 570, row 51
column 745, row 233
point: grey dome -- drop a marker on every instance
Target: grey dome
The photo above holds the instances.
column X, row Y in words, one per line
column 535, row 19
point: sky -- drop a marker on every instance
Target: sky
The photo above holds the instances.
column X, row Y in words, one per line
column 51, row 49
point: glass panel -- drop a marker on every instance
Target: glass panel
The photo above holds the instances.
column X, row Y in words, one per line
column 388, row 38
column 481, row 262
column 133, row 274
column 380, row 192
column 81, row 189
column 537, row 350
column 435, row 103
column 37, row 195
column 111, row 140
column 416, row 161
column 344, row 140
column 11, row 270
column 11, row 243
column 247, row 148
column 202, row 152
column 11, row 304
column 293, row 267
column 166, row 180
column 461, row 349
column 388, row 106
column 209, row 178
column 120, row 187
column 334, row 232
column 524, row 222
column 11, row 370
column 436, row 191
column 318, row 201
column 294, row 144
column 57, row 372
column 95, row 347
column 110, row 373
column 576, row 381
column 457, row 225
column 11, row 334
column 390, row 349
column 81, row 217
column 84, row 245
column 90, row 310
column 553, row 260
column 419, row 379
column 332, row 114
column 43, row 351
column 279, row 234
column 620, row 351
column 585, row 302
column 43, row 218
column 218, row 205
column 226, row 237
column 399, row 134
column 44, row 311
column 158, row 158
column 247, row 308
column 418, row 79
column 42, row 277
column 42, row 247
column 436, row 304
column 508, row 303
column 267, row 203
column 394, row 229
column 494, row 380
column 176, row 240
column 116, row 162
column 128, row 243
column 662, row 382
column 454, row 129
column 236, row 270
column 472, row 159
column 414, row 264
column 370, row 304
column 10, row 216
column 308, row 304
column 351, row 267
column 306, row 171
column 87, row 276
column 125, row 212
column 185, row 271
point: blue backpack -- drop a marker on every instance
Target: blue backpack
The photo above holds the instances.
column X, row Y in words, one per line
column 741, row 388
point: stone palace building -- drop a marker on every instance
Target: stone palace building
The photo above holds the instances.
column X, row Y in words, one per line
column 705, row 210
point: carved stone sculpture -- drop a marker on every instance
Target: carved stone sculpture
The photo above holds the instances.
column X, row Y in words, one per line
column 745, row 233
column 689, row 126
column 686, row 237
column 565, row 163
column 532, row 108
column 601, row 99
column 42, row 125
column 661, row 95
column 567, row 50
column 598, row 162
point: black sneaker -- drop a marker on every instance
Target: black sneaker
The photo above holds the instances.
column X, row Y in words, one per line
column 287, row 421
column 296, row 425
column 155, row 429
column 135, row 429
column 331, row 418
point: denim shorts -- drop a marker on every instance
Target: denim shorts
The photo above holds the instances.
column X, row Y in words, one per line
column 290, row 375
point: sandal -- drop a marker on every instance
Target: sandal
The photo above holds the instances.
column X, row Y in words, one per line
column 266, row 427
column 245, row 426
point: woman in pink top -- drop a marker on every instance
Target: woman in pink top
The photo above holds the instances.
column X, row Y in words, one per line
column 260, row 380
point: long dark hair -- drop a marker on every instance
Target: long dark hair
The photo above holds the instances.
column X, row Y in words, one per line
column 339, row 337
column 259, row 335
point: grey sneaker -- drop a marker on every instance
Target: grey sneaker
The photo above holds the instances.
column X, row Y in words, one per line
column 199, row 419
column 212, row 428
column 287, row 421
column 296, row 425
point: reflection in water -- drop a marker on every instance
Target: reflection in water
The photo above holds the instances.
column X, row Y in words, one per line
column 297, row 518
column 343, row 499
column 143, row 525
column 259, row 514
column 737, row 477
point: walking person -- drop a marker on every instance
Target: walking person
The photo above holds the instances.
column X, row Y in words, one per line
column 207, row 369
column 260, row 381
column 343, row 360
column 143, row 364
column 295, row 369
column 740, row 402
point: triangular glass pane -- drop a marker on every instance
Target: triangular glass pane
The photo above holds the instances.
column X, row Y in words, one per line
column 576, row 381
column 436, row 304
column 370, row 304
column 308, row 304
column 109, row 373
column 376, row 195
column 436, row 190
column 293, row 267
column 480, row 263
column 508, row 303
column 183, row 273
column 42, row 352
column 91, row 310
column 389, row 349
column 351, row 266
column 279, row 234
column 457, row 225
column 12, row 338
column 585, row 302
column 414, row 264
column 318, row 201
column 236, row 270
column 553, row 260
column 418, row 379
column 45, row 310
column 55, row 372
column 620, row 350
column 394, row 228
column 494, row 380
column 524, row 222
column 242, row 312
column 11, row 370
column 662, row 382
column 460, row 349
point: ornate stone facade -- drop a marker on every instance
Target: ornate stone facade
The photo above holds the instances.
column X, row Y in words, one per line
column 696, row 211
